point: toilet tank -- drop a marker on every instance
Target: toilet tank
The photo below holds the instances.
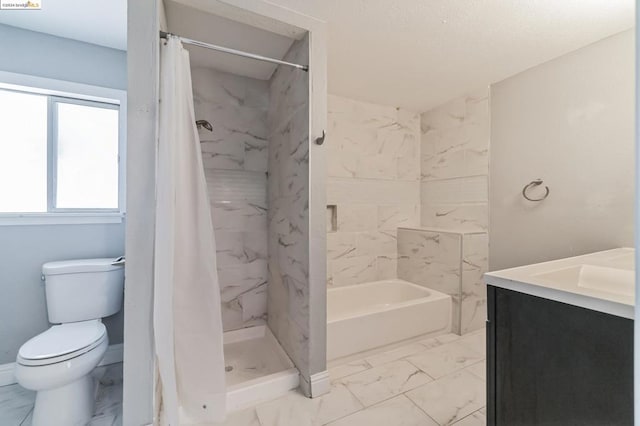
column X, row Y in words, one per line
column 83, row 289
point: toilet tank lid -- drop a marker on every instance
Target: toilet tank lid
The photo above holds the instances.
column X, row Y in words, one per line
column 81, row 265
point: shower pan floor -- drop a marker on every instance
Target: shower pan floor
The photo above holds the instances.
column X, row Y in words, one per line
column 258, row 354
column 257, row 368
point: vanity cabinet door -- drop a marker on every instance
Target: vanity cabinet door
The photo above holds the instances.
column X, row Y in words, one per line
column 556, row 364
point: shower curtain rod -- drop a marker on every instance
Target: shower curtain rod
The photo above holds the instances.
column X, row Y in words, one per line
column 186, row 40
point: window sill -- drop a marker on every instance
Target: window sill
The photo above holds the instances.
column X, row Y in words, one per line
column 15, row 219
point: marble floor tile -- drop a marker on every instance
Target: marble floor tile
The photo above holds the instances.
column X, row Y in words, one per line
column 439, row 340
column 296, row 409
column 108, row 408
column 391, row 387
column 247, row 417
column 284, row 412
column 397, row 411
column 395, row 354
column 446, row 359
column 385, row 381
column 348, row 369
column 28, row 420
column 475, row 419
column 479, row 369
column 109, row 375
column 106, row 420
column 15, row 404
column 477, row 340
column 450, row 398
column 338, row 403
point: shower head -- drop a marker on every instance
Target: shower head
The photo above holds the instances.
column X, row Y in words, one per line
column 204, row 123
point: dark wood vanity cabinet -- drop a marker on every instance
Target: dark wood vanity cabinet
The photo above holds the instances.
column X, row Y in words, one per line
column 551, row 363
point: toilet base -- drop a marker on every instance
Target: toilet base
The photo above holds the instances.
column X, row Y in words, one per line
column 69, row 405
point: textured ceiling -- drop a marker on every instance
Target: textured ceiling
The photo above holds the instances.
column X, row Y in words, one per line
column 420, row 53
column 410, row 53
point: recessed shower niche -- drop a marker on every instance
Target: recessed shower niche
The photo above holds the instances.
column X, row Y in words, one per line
column 255, row 130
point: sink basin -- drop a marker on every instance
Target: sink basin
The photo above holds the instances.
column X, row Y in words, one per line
column 601, row 278
column 603, row 281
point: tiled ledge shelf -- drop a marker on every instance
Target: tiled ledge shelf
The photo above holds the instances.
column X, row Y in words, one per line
column 449, row 261
column 442, row 230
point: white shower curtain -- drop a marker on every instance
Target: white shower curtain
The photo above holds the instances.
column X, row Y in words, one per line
column 187, row 317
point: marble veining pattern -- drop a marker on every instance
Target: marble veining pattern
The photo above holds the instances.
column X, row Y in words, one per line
column 451, row 398
column 16, row 404
column 441, row 361
column 373, row 179
column 473, row 299
column 454, row 196
column 404, row 394
column 288, row 214
column 235, row 156
column 395, row 411
column 384, row 381
column 455, row 163
column 407, row 394
column 451, row 262
column 432, row 259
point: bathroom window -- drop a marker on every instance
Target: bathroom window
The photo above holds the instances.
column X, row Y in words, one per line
column 85, row 163
column 60, row 156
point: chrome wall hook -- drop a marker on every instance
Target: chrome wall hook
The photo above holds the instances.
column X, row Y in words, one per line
column 533, row 184
column 204, row 124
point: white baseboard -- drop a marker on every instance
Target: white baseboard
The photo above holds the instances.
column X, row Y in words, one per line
column 113, row 355
column 320, row 384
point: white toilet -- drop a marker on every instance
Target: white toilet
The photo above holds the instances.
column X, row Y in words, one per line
column 57, row 363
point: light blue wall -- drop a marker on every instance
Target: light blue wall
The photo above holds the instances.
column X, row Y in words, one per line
column 23, row 249
column 29, row 52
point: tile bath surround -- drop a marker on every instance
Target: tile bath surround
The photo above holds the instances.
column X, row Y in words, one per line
column 454, row 151
column 373, row 182
column 386, row 173
column 455, row 164
column 451, row 262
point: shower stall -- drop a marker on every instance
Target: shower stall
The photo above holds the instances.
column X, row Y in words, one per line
column 254, row 104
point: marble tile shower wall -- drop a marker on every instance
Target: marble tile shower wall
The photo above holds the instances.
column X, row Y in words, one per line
column 373, row 182
column 235, row 156
column 455, row 164
column 452, row 263
column 288, row 216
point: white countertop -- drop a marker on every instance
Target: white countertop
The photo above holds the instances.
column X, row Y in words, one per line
column 602, row 281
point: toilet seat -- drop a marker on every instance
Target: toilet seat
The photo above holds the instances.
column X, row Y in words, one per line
column 62, row 342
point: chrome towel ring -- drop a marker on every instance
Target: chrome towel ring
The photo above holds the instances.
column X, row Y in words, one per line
column 533, row 184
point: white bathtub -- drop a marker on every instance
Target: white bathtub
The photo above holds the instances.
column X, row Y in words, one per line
column 365, row 316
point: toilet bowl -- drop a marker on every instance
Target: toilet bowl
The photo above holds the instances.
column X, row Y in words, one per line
column 57, row 364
